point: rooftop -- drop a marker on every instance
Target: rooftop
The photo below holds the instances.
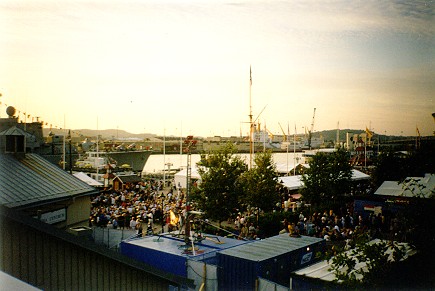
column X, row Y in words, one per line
column 33, row 181
column 270, row 247
column 410, row 187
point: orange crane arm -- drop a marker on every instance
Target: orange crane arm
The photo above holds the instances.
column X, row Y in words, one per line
column 285, row 136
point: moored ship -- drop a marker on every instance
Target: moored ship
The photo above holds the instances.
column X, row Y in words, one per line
column 59, row 149
column 135, row 159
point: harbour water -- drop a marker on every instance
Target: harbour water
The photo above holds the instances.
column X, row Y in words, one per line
column 156, row 163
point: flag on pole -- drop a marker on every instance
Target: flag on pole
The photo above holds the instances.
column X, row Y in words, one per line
column 369, row 133
column 418, row 132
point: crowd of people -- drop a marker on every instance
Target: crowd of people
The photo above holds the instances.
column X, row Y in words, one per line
column 342, row 228
column 245, row 229
column 138, row 207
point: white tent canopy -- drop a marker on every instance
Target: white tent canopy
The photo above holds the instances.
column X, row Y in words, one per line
column 180, row 178
column 88, row 180
column 409, row 187
column 358, row 175
column 292, row 182
column 295, row 182
column 284, row 168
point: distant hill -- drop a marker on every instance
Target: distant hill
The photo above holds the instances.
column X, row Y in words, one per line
column 119, row 133
column 104, row 134
column 328, row 135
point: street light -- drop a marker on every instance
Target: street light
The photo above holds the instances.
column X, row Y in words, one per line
column 169, row 170
column 69, row 138
column 189, row 142
column 162, row 196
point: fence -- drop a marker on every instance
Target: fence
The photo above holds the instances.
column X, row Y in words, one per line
column 204, row 275
column 110, row 237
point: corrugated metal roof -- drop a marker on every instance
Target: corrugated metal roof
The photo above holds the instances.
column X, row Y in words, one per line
column 33, row 180
column 270, row 247
column 79, row 244
column 322, row 270
column 411, row 187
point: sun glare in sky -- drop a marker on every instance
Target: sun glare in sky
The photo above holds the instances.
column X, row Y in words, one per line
column 184, row 66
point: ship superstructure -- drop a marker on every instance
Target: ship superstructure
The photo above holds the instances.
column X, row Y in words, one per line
column 60, row 150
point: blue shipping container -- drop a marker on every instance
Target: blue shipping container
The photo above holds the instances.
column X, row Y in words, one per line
column 273, row 259
column 169, row 253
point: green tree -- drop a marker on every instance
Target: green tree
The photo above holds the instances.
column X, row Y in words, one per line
column 218, row 193
column 327, row 179
column 259, row 183
column 396, row 166
column 417, row 219
column 367, row 264
column 389, row 166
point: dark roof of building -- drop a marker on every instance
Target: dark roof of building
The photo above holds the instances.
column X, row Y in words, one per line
column 7, row 214
column 133, row 178
column 14, row 130
column 33, row 181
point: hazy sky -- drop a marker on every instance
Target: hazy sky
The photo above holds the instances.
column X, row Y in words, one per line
column 184, row 66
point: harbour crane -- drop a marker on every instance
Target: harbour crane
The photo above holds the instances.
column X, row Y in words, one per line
column 310, row 132
column 283, row 132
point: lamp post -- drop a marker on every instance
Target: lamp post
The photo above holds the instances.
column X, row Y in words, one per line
column 169, row 170
column 69, row 138
column 162, row 196
column 189, row 142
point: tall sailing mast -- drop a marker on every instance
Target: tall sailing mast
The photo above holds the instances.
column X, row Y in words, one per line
column 251, row 145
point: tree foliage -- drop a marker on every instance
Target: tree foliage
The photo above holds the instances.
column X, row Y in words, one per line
column 328, row 178
column 218, row 193
column 389, row 167
column 380, row 258
column 259, row 183
column 417, row 216
column 367, row 263
column 396, row 166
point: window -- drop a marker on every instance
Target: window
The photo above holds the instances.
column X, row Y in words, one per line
column 15, row 143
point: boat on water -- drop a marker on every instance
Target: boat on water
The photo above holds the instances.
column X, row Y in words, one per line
column 135, row 159
column 59, row 149
column 101, row 168
column 117, row 153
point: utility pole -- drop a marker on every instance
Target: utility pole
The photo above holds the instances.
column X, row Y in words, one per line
column 189, row 143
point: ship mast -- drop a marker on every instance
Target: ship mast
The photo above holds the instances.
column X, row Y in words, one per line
column 251, row 146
